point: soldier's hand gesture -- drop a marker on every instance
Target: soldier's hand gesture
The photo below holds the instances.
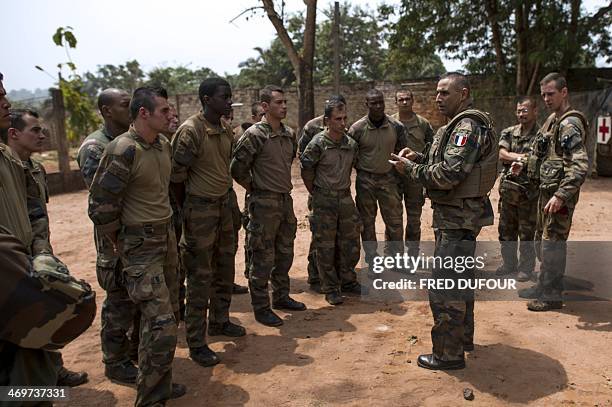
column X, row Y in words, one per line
column 407, row 153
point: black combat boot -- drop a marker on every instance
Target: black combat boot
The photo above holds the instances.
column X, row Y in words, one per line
column 69, row 378
column 123, row 373
column 334, row 298
column 268, row 317
column 290, row 304
column 204, row 356
column 227, row 328
column 433, row 363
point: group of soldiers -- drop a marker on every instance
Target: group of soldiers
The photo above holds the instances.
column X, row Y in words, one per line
column 164, row 209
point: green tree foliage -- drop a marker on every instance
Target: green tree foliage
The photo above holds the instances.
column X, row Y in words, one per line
column 82, row 117
column 520, row 38
column 272, row 64
column 129, row 76
column 126, row 76
column 364, row 52
column 178, row 80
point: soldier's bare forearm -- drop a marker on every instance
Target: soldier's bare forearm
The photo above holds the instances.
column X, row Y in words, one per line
column 508, row 157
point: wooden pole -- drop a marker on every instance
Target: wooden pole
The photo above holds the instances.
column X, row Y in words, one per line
column 59, row 118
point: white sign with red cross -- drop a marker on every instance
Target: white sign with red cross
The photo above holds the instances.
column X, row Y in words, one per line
column 604, row 129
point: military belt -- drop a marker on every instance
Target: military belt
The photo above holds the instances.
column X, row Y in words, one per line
column 332, row 192
column 363, row 173
column 155, row 228
column 264, row 193
column 206, row 200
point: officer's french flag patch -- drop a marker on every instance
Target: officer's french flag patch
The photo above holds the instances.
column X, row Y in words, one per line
column 460, row 138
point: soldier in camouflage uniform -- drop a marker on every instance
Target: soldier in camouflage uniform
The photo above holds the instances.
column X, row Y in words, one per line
column 561, row 162
column 326, row 166
column 24, row 232
column 311, row 129
column 201, row 180
column 241, row 218
column 378, row 135
column 419, row 134
column 262, row 165
column 129, row 205
column 26, row 136
column 458, row 173
column 119, row 313
column 518, row 195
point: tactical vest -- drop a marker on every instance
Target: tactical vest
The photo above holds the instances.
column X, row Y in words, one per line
column 551, row 168
column 481, row 179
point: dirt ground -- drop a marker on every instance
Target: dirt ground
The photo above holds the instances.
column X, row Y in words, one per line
column 364, row 353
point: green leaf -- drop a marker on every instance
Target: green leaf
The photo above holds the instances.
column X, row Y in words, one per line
column 58, row 36
column 70, row 38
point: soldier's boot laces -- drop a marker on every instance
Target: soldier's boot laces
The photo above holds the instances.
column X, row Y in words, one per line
column 123, row 373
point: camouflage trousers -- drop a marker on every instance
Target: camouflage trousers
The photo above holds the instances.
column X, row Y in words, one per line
column 208, row 253
column 241, row 219
column 177, row 222
column 335, row 225
column 553, row 230
column 148, row 253
column 270, row 235
column 414, row 199
column 453, row 311
column 382, row 190
column 313, row 271
column 119, row 314
column 517, row 221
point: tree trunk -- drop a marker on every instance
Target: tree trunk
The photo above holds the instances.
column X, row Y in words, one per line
column 521, row 19
column 59, row 118
column 303, row 65
column 569, row 56
column 500, row 60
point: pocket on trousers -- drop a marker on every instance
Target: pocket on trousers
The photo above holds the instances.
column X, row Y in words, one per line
column 255, row 236
column 106, row 272
column 142, row 285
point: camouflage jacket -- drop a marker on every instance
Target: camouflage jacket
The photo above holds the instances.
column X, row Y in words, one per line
column 22, row 212
column 419, row 132
column 328, row 163
column 447, row 164
column 201, row 156
column 131, row 185
column 377, row 143
column 565, row 166
column 90, row 153
column 512, row 139
column 310, row 129
column 263, row 158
